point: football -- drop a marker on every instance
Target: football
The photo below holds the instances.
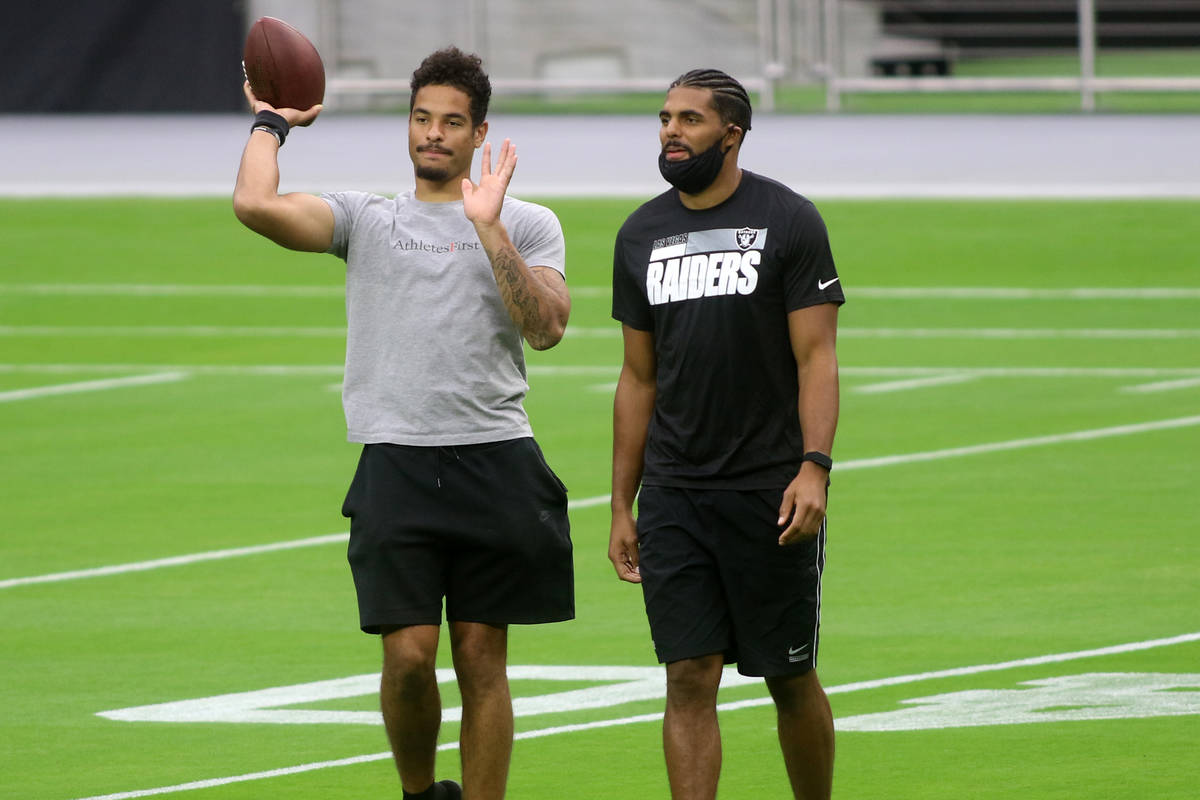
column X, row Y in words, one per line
column 282, row 65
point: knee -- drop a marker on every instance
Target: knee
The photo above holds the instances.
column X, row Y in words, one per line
column 694, row 681
column 480, row 659
column 409, row 667
column 796, row 694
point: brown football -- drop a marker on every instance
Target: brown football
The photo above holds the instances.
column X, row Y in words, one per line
column 283, row 67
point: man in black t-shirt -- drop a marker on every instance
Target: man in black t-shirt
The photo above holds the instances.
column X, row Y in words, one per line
column 724, row 416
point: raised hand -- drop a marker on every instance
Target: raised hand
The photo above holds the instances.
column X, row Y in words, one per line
column 482, row 202
column 295, row 117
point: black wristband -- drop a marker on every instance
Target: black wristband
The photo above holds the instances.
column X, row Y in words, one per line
column 818, row 458
column 273, row 123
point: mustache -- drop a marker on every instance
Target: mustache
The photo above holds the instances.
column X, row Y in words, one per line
column 678, row 144
column 433, row 148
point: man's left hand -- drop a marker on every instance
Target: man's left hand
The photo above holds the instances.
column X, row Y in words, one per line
column 803, row 506
column 482, row 203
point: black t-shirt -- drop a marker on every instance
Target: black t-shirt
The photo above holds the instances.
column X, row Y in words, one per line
column 715, row 287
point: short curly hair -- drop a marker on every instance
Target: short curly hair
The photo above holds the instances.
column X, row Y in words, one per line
column 463, row 71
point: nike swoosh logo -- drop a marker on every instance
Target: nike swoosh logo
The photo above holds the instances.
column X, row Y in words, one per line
column 823, row 285
column 794, row 650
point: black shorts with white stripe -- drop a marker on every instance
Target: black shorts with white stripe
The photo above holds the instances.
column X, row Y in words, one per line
column 716, row 580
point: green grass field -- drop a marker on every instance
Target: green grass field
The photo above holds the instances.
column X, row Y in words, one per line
column 168, row 388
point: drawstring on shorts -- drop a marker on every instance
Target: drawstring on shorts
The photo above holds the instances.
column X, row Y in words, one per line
column 441, row 454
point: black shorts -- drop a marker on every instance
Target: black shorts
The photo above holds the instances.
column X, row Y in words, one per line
column 484, row 526
column 716, row 580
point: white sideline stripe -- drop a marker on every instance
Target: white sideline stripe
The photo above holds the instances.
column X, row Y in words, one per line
column 251, row 776
column 91, row 386
column 293, row 370
column 1019, row 333
column 614, row 331
column 175, row 561
column 216, row 555
column 882, row 461
column 588, row 502
column 1056, row 658
column 1021, row 372
column 1018, row 444
column 915, row 383
column 1162, row 386
column 1015, row 293
column 277, row 370
column 170, row 290
column 171, row 330
column 1014, row 444
column 610, row 332
column 877, row 292
column 655, row 716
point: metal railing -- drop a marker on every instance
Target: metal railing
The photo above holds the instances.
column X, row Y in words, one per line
column 1087, row 84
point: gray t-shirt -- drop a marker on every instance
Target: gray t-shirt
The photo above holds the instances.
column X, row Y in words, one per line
column 432, row 356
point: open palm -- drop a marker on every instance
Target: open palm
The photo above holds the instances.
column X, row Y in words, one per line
column 482, row 202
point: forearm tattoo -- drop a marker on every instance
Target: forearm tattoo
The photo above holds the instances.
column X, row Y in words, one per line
column 524, row 304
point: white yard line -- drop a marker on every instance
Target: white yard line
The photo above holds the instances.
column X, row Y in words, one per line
column 218, row 555
column 613, row 332
column 294, row 370
column 862, row 463
column 607, row 332
column 957, row 672
column 1162, row 386
column 1020, row 372
column 1019, row 333
column 1019, row 293
column 91, row 386
column 1020, row 444
column 160, row 331
column 168, row 290
column 884, row 292
column 1055, row 658
column 175, row 561
column 914, row 383
column 274, row 370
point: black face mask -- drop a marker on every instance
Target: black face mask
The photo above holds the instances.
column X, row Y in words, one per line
column 695, row 174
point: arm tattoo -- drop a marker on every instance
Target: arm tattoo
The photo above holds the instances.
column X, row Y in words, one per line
column 524, row 305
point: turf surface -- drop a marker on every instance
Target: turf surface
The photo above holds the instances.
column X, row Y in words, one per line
column 1040, row 544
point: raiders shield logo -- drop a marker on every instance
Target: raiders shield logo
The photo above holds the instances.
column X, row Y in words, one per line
column 746, row 237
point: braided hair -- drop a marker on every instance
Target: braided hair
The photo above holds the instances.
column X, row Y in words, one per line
column 729, row 97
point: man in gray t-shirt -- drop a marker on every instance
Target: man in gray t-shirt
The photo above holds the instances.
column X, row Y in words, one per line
column 452, row 499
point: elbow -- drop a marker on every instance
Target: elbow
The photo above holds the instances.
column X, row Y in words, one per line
column 551, row 331
column 244, row 209
column 250, row 211
column 547, row 338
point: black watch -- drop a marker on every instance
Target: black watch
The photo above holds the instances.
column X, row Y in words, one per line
column 818, row 458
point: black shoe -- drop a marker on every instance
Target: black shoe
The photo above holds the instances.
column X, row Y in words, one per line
column 442, row 790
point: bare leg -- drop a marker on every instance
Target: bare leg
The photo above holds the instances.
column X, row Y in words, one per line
column 411, row 703
column 480, row 661
column 691, row 734
column 805, row 734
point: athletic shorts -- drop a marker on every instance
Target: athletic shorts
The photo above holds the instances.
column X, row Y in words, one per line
column 716, row 580
column 483, row 526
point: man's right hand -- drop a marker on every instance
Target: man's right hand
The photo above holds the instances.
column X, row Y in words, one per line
column 294, row 116
column 623, row 548
column 297, row 221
